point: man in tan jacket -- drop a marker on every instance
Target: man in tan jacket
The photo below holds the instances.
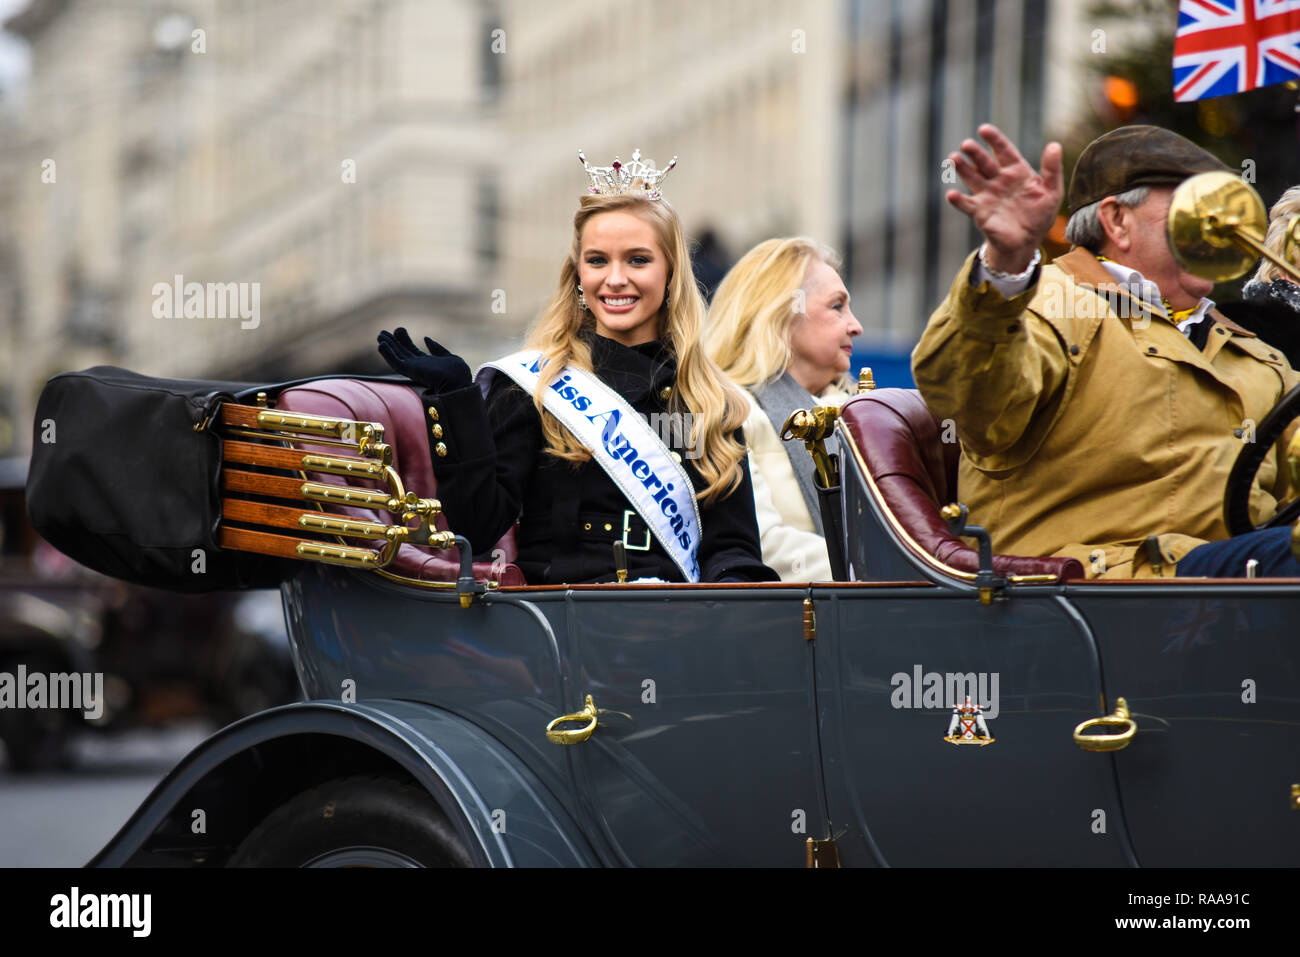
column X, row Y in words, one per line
column 1100, row 400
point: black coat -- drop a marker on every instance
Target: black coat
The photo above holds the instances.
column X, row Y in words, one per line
column 1273, row 321
column 495, row 470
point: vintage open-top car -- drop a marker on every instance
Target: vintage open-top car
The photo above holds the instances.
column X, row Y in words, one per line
column 773, row 724
column 938, row 705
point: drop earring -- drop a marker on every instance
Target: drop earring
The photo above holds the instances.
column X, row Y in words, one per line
column 582, row 300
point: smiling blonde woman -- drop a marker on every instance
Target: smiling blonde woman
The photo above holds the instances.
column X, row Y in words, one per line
column 780, row 326
column 555, row 437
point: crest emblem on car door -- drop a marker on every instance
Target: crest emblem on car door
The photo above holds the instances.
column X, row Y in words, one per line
column 968, row 726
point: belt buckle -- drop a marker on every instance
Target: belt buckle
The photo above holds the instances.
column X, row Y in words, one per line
column 627, row 527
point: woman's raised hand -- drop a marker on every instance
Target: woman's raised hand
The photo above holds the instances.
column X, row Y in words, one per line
column 438, row 369
column 1013, row 206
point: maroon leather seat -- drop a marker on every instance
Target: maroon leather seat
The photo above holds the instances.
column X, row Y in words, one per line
column 398, row 409
column 916, row 473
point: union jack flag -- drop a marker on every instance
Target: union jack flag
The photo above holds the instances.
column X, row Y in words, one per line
column 1230, row 46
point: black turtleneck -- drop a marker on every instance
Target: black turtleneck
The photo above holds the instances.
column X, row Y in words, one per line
column 496, row 470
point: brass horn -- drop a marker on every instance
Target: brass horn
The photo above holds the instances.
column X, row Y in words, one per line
column 1217, row 225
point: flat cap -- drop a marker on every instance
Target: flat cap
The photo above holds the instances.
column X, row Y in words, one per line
column 1133, row 156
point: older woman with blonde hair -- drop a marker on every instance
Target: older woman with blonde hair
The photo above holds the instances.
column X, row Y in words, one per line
column 780, row 326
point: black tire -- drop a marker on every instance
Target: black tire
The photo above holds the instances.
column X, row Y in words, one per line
column 354, row 822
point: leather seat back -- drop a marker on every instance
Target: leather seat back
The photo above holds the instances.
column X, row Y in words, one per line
column 916, row 472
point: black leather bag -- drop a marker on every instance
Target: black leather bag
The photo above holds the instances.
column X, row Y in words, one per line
column 125, row 480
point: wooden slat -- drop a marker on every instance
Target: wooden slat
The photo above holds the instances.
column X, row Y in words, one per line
column 242, row 540
column 250, row 453
column 257, row 513
column 270, row 485
column 350, row 466
column 306, row 423
column 275, row 486
column 246, row 417
column 241, row 415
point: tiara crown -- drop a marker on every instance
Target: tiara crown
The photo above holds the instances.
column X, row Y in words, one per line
column 638, row 177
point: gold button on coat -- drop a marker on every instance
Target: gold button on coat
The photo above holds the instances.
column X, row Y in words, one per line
column 665, row 392
column 441, row 449
column 437, row 431
column 433, row 413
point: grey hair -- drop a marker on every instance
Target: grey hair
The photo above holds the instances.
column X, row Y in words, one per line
column 1084, row 228
column 1279, row 218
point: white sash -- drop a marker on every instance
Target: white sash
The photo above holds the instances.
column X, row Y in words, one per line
column 624, row 445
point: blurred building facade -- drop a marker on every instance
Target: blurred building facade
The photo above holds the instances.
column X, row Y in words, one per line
column 922, row 76
column 745, row 92
column 329, row 152
column 11, row 305
column 373, row 163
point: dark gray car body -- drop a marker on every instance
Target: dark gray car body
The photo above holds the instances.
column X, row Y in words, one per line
column 734, row 728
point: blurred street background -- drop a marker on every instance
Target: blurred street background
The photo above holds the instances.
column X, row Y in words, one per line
column 63, row 818
column 375, row 163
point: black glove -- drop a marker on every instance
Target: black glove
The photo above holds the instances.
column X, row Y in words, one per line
column 440, row 371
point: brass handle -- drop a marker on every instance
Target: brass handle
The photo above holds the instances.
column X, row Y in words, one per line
column 1107, row 742
column 574, row 735
column 812, row 427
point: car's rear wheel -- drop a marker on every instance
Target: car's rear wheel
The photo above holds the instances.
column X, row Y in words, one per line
column 355, row 822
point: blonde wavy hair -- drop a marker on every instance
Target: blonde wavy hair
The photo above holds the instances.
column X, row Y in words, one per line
column 1278, row 218
column 756, row 307
column 718, row 409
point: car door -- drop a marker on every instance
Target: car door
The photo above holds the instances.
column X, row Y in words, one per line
column 706, row 748
column 893, row 661
column 1211, row 675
